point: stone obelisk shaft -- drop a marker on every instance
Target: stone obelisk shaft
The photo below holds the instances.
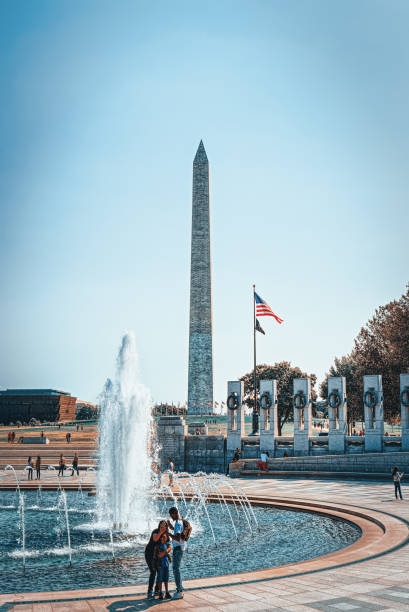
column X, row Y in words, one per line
column 200, row 384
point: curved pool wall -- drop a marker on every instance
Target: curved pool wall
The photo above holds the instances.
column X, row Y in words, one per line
column 282, row 537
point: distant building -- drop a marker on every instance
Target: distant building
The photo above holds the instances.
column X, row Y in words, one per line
column 41, row 404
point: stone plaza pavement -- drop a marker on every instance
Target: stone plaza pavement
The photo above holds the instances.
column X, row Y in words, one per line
column 378, row 583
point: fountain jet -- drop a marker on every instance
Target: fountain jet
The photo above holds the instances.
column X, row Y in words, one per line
column 123, row 478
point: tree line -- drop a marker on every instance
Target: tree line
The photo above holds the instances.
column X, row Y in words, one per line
column 381, row 347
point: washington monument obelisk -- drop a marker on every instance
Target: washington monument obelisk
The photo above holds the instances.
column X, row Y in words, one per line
column 200, row 384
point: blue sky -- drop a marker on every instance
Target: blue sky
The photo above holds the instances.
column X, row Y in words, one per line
column 302, row 107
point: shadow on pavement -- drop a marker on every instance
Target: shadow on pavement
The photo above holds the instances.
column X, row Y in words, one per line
column 129, row 605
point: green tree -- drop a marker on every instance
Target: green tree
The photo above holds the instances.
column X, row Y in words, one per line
column 284, row 374
column 381, row 347
column 86, row 413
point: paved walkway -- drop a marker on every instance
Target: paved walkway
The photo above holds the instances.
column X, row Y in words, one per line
column 380, row 583
column 49, row 479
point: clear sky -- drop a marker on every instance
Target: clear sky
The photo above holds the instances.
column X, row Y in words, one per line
column 303, row 110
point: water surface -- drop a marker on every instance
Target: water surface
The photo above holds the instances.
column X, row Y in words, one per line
column 282, row 537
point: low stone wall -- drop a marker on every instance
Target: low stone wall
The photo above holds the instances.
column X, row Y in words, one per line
column 318, row 446
column 170, row 432
column 375, row 463
column 35, row 440
column 190, row 453
column 205, row 453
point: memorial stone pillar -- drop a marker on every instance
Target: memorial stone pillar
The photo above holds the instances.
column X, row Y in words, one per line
column 302, row 403
column 235, row 417
column 268, row 416
column 373, row 409
column 170, row 433
column 404, row 410
column 337, row 415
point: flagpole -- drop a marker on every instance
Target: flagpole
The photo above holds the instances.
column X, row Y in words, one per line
column 255, row 414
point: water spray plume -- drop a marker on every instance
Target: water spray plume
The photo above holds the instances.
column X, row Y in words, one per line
column 123, row 481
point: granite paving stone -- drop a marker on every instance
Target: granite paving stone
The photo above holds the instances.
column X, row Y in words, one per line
column 98, row 606
column 205, row 608
column 66, row 607
column 384, row 602
column 345, row 604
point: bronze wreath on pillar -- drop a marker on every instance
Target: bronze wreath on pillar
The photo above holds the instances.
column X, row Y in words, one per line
column 233, row 401
column 265, row 400
column 299, row 400
column 404, row 396
column 334, row 399
column 370, row 398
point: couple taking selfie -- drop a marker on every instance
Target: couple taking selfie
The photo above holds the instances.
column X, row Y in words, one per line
column 166, row 545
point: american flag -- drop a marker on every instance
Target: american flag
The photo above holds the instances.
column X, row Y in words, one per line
column 264, row 310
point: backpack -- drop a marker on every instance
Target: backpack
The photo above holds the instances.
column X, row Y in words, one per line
column 187, row 530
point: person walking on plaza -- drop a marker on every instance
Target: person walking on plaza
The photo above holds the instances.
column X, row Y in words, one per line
column 61, row 465
column 9, row 437
column 38, row 468
column 396, row 475
column 75, row 465
column 30, row 468
column 178, row 545
column 149, row 550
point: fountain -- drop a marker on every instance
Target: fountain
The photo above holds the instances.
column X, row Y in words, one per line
column 23, row 529
column 67, row 523
column 11, row 469
column 104, row 536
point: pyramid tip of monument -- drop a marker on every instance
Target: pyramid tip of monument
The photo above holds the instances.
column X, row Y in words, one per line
column 200, row 156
